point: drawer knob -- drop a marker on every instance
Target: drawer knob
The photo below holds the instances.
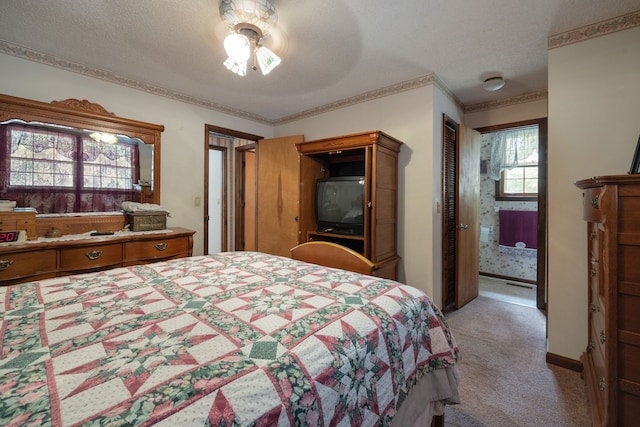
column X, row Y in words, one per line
column 594, row 235
column 595, row 308
column 592, row 345
column 594, row 260
column 594, row 272
column 601, row 384
column 602, row 337
column 595, row 202
column 92, row 255
column 161, row 246
column 4, row 264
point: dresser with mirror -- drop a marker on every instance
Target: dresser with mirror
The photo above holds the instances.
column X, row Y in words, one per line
column 63, row 243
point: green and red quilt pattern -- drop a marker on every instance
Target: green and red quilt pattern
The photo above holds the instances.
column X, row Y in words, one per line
column 233, row 339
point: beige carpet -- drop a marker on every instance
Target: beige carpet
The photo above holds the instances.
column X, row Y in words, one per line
column 504, row 379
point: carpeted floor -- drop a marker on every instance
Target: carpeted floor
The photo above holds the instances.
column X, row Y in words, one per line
column 504, row 379
column 508, row 291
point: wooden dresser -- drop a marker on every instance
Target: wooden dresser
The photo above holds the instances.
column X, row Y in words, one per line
column 51, row 258
column 611, row 207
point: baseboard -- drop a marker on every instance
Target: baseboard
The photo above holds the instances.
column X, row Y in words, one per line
column 564, row 362
column 507, row 278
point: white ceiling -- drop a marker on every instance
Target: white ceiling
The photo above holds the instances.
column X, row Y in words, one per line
column 331, row 50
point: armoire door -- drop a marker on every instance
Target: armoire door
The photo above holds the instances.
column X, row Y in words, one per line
column 278, row 194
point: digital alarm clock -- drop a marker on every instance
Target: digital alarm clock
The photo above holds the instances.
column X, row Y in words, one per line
column 13, row 236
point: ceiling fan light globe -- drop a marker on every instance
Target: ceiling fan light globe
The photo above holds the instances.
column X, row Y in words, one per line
column 267, row 60
column 237, row 67
column 237, row 47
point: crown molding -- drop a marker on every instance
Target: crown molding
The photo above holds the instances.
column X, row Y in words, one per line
column 43, row 58
column 426, row 80
column 505, row 102
column 429, row 79
column 598, row 29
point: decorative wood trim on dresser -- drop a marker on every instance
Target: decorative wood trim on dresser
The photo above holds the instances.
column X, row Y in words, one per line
column 611, row 207
column 49, row 258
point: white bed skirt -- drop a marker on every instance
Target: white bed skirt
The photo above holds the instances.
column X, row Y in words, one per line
column 428, row 398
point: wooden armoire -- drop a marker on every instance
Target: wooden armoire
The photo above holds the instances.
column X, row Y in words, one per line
column 287, row 171
column 373, row 155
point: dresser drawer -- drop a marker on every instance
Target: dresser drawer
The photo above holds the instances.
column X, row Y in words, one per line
column 591, row 204
column 156, row 249
column 595, row 282
column 598, row 324
column 594, row 237
column 27, row 264
column 11, row 221
column 90, row 257
column 599, row 363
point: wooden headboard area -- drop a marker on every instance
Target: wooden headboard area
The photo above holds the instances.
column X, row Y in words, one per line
column 332, row 255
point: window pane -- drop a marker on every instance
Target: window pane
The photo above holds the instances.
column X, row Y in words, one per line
column 513, row 186
column 531, row 186
column 38, row 156
column 20, row 178
column 107, row 165
column 514, row 173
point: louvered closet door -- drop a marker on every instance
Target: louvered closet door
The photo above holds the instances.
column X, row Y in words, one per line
column 461, row 204
column 449, row 217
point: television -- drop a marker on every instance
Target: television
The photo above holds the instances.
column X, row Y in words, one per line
column 339, row 205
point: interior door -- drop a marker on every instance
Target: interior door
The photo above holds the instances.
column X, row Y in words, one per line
column 449, row 219
column 215, row 201
column 467, row 216
column 278, row 194
column 245, row 202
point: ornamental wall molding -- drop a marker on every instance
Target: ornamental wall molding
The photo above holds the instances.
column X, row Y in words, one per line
column 598, row 29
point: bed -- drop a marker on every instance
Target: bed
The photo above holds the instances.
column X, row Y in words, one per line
column 232, row 339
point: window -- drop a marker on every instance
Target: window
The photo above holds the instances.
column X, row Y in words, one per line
column 521, row 181
column 65, row 169
column 39, row 158
column 107, row 165
column 514, row 163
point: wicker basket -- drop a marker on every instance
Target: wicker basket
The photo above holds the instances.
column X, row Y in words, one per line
column 147, row 221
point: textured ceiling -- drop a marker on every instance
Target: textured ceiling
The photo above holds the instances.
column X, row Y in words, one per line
column 331, row 50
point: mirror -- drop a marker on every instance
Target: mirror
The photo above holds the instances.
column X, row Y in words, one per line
column 86, row 118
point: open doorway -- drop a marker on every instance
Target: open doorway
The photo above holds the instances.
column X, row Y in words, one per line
column 502, row 261
column 460, row 204
column 220, row 203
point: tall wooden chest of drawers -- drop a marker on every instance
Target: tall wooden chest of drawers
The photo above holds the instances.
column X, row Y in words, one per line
column 611, row 207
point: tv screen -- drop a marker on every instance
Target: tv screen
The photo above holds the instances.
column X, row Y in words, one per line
column 340, row 205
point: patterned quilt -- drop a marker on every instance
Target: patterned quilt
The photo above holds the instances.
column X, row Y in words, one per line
column 233, row 339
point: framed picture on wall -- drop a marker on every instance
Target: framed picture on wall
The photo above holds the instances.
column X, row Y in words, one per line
column 635, row 163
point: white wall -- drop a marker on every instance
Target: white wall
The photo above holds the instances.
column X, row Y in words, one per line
column 182, row 147
column 594, row 122
column 414, row 117
column 508, row 114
